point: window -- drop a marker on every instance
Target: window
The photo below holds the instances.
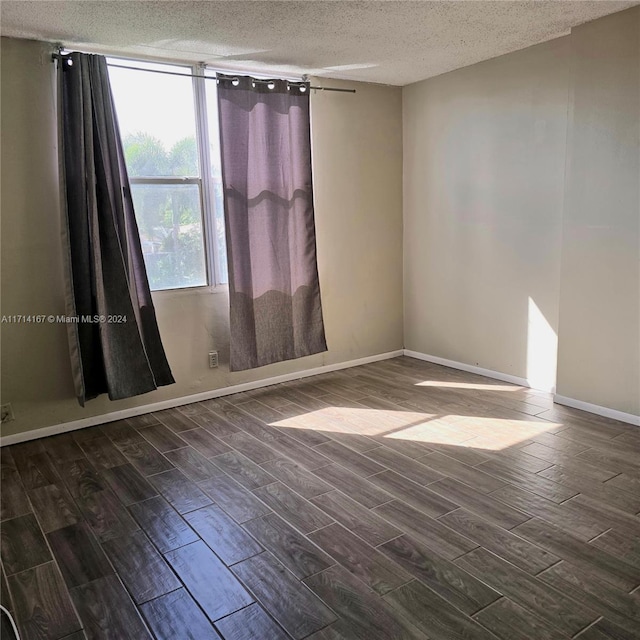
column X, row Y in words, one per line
column 169, row 129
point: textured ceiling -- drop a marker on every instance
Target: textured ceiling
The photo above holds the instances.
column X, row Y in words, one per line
column 391, row 42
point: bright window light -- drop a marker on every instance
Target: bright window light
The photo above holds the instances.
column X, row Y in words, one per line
column 170, row 133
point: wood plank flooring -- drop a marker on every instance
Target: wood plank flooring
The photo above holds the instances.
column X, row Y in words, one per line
column 394, row 501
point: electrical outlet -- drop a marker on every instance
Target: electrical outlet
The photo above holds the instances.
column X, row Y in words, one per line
column 213, row 359
column 6, row 413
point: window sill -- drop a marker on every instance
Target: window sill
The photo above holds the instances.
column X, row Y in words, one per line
column 190, row 291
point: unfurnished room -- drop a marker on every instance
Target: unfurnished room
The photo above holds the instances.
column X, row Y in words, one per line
column 320, row 320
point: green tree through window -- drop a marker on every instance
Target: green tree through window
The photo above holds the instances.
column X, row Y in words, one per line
column 169, row 126
column 168, row 214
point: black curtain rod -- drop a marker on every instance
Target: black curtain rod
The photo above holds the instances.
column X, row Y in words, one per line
column 58, row 56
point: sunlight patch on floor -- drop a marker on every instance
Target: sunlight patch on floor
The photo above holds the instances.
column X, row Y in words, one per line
column 498, row 433
column 452, row 429
column 368, row 422
column 468, row 385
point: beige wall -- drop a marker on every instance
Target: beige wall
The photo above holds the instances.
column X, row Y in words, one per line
column 599, row 340
column 484, row 151
column 522, row 214
column 357, row 154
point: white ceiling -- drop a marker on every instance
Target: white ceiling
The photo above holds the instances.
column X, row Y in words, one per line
column 391, row 42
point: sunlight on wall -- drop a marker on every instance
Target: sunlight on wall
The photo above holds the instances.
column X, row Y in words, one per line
column 542, row 350
column 475, row 432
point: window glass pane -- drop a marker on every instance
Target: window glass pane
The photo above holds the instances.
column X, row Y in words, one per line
column 216, row 178
column 156, row 114
column 170, row 225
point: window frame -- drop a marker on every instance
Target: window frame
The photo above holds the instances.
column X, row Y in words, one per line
column 205, row 181
column 207, row 189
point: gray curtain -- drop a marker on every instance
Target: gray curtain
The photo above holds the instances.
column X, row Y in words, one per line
column 115, row 345
column 274, row 292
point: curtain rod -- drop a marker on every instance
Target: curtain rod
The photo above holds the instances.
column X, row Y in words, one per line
column 58, row 56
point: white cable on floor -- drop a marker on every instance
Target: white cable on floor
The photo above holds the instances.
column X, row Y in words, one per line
column 13, row 624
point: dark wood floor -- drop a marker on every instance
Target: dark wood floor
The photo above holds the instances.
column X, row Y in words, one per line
column 393, row 501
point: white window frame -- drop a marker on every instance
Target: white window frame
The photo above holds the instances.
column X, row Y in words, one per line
column 203, row 128
column 205, row 181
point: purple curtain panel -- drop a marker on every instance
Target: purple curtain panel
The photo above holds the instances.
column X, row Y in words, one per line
column 274, row 292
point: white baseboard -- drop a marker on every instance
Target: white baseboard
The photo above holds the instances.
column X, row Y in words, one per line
column 522, row 382
column 198, row 397
column 488, row 373
column 614, row 414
